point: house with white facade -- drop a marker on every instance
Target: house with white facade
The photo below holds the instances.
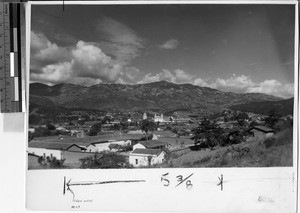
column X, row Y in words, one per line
column 163, row 119
column 150, row 144
column 76, row 148
column 43, row 152
column 146, row 157
column 105, row 145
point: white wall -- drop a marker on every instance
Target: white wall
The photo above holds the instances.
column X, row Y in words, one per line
column 159, row 159
column 143, row 159
column 102, row 147
column 138, row 146
column 46, row 152
column 91, row 148
column 99, row 147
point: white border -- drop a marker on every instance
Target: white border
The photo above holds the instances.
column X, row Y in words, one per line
column 16, row 200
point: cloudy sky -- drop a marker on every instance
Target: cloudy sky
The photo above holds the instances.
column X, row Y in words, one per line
column 237, row 48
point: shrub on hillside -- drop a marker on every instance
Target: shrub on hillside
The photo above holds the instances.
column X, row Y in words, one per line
column 281, row 138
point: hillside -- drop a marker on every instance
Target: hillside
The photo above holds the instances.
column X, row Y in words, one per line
column 159, row 96
column 282, row 107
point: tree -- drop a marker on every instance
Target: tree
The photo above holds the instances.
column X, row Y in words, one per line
column 50, row 126
column 81, row 121
column 95, row 129
column 51, row 162
column 272, row 119
column 104, row 160
column 116, row 127
column 241, row 118
column 207, row 134
column 147, row 126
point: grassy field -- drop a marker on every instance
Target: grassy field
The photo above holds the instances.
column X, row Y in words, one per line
column 276, row 151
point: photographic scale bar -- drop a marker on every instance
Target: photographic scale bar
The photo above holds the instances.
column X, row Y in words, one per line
column 11, row 94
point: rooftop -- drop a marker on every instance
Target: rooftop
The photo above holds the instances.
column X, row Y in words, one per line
column 155, row 152
column 263, row 129
column 52, row 145
column 89, row 139
column 152, row 144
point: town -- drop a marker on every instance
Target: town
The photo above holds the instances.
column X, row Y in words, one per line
column 136, row 139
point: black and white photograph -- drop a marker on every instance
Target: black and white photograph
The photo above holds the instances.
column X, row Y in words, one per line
column 161, row 86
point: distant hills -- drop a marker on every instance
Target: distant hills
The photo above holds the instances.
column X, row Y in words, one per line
column 283, row 107
column 158, row 96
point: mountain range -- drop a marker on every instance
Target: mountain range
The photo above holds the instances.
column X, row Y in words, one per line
column 158, row 96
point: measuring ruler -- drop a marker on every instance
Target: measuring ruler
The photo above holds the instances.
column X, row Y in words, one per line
column 10, row 58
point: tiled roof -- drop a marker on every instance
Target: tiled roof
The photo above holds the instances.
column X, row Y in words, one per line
column 152, row 144
column 52, row 145
column 146, row 152
column 80, row 147
column 90, row 139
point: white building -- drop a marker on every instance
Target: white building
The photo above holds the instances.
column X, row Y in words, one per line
column 104, row 145
column 145, row 116
column 146, row 157
column 151, row 144
column 163, row 119
column 58, row 154
column 158, row 118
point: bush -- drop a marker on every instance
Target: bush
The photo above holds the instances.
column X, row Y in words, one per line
column 53, row 162
column 104, row 160
column 95, row 129
column 281, row 138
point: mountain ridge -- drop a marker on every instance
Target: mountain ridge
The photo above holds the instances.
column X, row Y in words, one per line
column 159, row 96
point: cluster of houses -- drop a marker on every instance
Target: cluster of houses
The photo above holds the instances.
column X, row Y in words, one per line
column 142, row 149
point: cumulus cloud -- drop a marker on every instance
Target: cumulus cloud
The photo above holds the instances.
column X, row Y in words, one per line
column 273, row 87
column 244, row 84
column 170, row 44
column 235, row 83
column 85, row 63
column 177, row 76
column 54, row 73
column 202, row 83
column 90, row 61
column 119, row 40
column 44, row 52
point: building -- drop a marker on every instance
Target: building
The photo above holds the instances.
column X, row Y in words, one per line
column 261, row 131
column 33, row 162
column 105, row 145
column 145, row 116
column 58, row 154
column 163, row 119
column 151, row 144
column 76, row 148
column 158, row 118
column 146, row 157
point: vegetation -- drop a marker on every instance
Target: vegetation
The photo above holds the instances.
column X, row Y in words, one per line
column 253, row 154
column 44, row 132
column 118, row 147
column 104, row 160
column 283, row 107
column 95, row 129
column 52, row 163
column 147, row 126
column 207, row 134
